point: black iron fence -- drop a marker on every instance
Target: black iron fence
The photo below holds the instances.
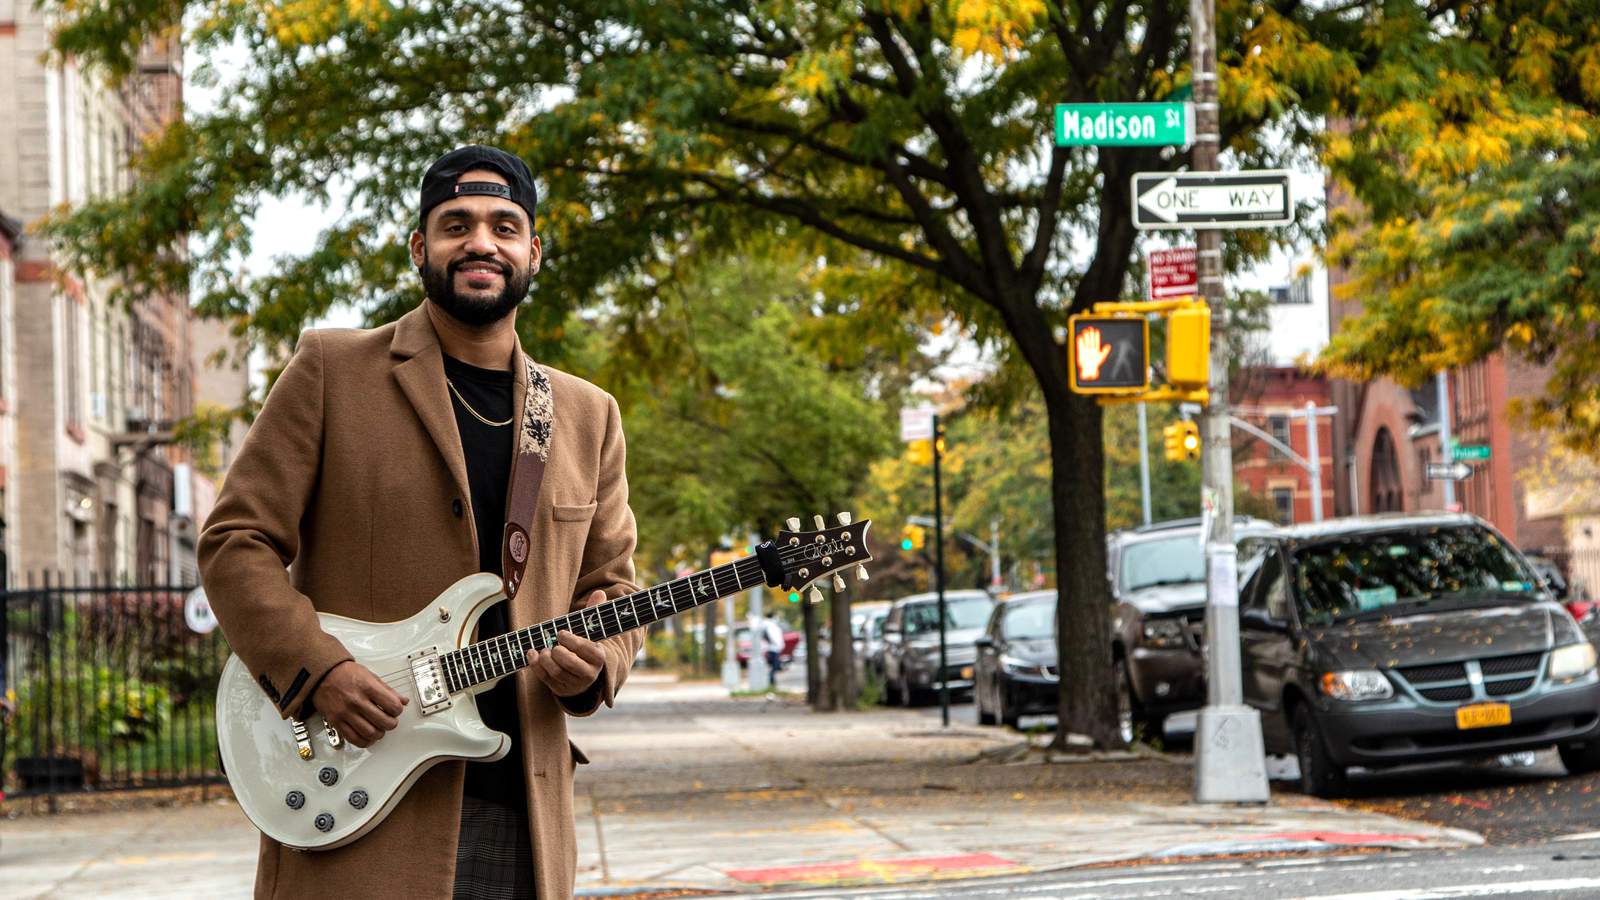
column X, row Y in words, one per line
column 113, row 687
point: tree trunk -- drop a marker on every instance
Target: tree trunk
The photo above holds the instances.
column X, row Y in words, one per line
column 814, row 685
column 841, row 654
column 1087, row 702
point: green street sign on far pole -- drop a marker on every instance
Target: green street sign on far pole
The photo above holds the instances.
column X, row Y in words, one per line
column 1124, row 124
column 1461, row 452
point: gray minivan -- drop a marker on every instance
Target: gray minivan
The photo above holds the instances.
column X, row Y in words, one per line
column 1383, row 640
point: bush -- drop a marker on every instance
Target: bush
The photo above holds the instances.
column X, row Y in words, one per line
column 92, row 707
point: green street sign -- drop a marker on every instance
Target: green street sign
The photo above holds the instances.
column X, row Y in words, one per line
column 1469, row 451
column 1124, row 124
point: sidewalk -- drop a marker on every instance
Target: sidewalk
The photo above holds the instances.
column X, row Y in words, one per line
column 689, row 789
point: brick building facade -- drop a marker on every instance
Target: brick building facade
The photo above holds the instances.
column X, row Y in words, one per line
column 1274, row 399
column 98, row 484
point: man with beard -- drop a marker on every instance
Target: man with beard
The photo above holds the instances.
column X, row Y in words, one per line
column 385, row 465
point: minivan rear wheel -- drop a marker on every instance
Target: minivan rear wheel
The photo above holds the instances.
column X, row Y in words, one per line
column 1320, row 776
column 1580, row 759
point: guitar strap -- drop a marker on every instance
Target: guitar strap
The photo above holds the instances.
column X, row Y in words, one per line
column 533, row 451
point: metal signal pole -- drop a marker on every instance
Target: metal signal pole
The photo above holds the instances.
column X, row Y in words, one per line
column 938, row 575
column 1229, row 763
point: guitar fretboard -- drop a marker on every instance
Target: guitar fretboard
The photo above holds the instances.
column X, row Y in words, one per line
column 499, row 656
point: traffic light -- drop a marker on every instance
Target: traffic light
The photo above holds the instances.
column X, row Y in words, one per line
column 1108, row 354
column 1172, row 436
column 1182, row 441
column 920, row 453
column 1189, row 348
column 912, row 537
column 794, row 596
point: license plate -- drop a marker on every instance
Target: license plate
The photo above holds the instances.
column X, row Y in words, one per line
column 1483, row 715
column 966, row 673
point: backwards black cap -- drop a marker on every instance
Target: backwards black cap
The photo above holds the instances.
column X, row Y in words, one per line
column 439, row 184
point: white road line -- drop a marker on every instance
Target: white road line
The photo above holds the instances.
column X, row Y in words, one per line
column 1583, row 836
column 1444, row 892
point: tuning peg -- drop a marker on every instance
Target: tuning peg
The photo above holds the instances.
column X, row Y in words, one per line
column 838, row 583
column 861, row 573
column 821, row 522
column 815, row 595
column 793, row 522
column 844, row 518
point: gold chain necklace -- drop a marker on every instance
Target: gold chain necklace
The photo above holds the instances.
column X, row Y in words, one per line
column 474, row 412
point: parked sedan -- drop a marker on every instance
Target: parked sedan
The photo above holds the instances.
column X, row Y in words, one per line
column 911, row 643
column 1016, row 673
column 1386, row 640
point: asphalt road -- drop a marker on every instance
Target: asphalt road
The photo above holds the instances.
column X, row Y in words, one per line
column 1568, row 869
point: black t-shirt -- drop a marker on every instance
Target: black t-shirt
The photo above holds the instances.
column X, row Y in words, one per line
column 488, row 452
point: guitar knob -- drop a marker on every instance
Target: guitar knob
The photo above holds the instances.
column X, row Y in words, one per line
column 816, row 595
column 358, row 799
column 328, row 775
column 294, row 800
column 861, row 573
column 793, row 522
column 324, row 822
column 844, row 518
column 838, row 583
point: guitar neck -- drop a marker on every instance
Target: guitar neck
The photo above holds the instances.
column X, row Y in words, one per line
column 499, row 656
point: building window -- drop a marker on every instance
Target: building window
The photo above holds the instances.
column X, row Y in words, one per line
column 74, row 364
column 1283, row 504
column 1278, row 427
column 1383, row 485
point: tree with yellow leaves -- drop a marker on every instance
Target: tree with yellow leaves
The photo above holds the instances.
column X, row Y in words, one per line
column 910, row 139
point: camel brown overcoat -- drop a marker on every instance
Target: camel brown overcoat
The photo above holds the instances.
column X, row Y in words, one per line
column 353, row 478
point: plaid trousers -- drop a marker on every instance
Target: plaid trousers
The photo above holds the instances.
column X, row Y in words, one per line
column 494, row 859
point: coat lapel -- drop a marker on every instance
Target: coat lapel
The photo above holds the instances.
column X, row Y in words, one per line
column 421, row 376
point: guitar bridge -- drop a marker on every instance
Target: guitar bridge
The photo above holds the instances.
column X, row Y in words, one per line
column 302, row 738
column 428, row 676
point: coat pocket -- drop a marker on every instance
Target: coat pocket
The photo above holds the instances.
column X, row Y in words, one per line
column 581, row 513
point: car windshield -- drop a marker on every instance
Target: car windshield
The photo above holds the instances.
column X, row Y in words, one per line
column 1371, row 573
column 1031, row 619
column 1174, row 560
column 967, row 612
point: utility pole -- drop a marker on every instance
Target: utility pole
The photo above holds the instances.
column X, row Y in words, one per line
column 1230, row 765
column 1441, row 387
column 1144, row 464
column 938, row 575
column 1314, row 452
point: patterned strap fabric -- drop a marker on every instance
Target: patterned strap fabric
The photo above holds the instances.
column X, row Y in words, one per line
column 533, row 451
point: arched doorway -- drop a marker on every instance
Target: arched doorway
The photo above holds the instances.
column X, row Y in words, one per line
column 1384, row 480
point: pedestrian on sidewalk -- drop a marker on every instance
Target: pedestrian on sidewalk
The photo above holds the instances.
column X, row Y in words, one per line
column 772, row 647
column 381, row 467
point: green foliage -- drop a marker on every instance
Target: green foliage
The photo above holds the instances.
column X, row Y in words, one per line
column 93, row 707
column 1471, row 144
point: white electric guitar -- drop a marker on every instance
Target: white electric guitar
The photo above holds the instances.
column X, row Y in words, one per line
column 306, row 788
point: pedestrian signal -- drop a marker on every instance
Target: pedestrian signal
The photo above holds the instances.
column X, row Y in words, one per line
column 1109, row 354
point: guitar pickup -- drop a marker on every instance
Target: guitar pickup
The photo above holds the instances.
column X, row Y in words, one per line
column 302, row 738
column 428, row 676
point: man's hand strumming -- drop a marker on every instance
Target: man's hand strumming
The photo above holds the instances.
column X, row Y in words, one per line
column 358, row 703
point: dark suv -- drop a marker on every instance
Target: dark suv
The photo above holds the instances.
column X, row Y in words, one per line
column 1157, row 577
column 1395, row 639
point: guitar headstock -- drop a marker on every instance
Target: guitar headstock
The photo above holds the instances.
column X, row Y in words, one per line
column 804, row 557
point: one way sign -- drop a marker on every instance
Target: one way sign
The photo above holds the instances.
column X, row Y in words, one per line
column 1175, row 200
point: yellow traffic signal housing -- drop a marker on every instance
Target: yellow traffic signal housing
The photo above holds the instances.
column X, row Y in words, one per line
column 1172, row 436
column 912, row 538
column 1189, row 348
column 1191, row 440
column 920, row 453
column 1108, row 354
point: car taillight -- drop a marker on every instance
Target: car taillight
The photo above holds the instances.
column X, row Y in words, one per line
column 1582, row 610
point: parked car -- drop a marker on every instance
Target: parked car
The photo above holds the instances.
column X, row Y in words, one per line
column 866, row 624
column 911, row 643
column 1157, row 577
column 741, row 634
column 861, row 614
column 1016, row 673
column 1383, row 640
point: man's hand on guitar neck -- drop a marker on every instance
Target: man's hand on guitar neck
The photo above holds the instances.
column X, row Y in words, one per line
column 570, row 667
column 358, row 703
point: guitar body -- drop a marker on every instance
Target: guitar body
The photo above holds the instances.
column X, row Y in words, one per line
column 262, row 757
